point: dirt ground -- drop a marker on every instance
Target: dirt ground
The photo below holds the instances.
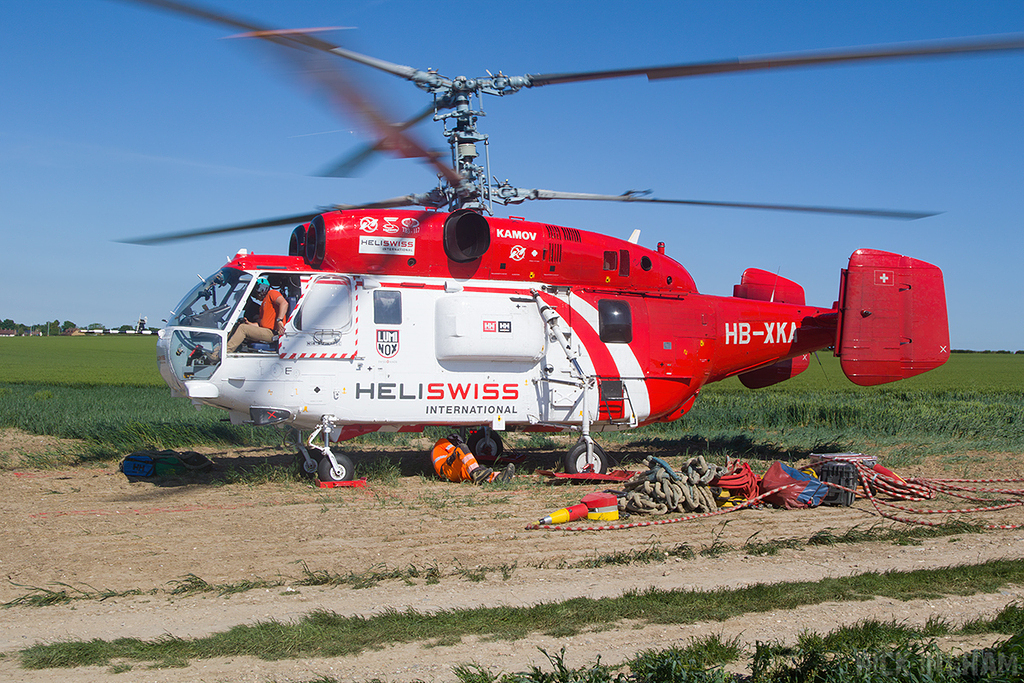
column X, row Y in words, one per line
column 91, row 529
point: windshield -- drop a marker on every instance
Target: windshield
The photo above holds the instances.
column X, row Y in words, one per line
column 211, row 302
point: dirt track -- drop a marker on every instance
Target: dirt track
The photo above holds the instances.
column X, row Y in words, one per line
column 92, row 529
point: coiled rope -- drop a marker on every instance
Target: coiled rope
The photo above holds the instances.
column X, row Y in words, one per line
column 920, row 488
column 660, row 490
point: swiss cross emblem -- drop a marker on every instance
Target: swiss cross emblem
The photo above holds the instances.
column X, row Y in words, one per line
column 884, row 277
column 387, row 343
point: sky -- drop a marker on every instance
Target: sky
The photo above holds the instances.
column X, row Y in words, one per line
column 120, row 121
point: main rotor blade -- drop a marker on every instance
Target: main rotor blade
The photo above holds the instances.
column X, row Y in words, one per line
column 349, row 165
column 783, row 61
column 633, row 196
column 425, row 199
column 333, row 81
column 236, row 227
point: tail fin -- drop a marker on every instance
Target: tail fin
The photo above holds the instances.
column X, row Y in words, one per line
column 764, row 286
column 761, row 285
column 892, row 318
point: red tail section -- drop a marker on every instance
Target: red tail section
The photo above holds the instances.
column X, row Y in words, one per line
column 892, row 322
column 764, row 286
column 773, row 374
column 761, row 285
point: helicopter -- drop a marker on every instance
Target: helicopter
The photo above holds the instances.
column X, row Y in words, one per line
column 400, row 318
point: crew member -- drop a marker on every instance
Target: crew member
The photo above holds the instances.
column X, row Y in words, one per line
column 269, row 321
column 455, row 462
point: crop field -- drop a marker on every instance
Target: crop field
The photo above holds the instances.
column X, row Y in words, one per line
column 92, row 360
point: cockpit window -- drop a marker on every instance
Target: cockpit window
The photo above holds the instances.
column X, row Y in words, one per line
column 211, row 302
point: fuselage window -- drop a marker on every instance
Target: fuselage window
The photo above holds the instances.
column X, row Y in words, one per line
column 611, row 260
column 387, row 307
column 326, row 306
column 624, row 262
column 616, row 321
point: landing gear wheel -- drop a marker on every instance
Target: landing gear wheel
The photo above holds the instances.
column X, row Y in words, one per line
column 577, row 462
column 307, row 468
column 486, row 444
column 344, row 471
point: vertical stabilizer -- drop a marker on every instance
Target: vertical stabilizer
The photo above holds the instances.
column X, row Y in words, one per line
column 893, row 321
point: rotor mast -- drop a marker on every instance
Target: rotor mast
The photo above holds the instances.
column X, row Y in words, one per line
column 474, row 191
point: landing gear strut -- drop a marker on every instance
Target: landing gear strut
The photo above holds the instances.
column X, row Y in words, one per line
column 329, row 466
column 308, row 457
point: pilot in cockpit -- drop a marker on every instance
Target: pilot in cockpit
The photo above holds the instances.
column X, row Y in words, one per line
column 267, row 321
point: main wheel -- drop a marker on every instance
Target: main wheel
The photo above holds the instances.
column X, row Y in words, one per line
column 344, row 471
column 486, row 444
column 306, row 469
column 578, row 462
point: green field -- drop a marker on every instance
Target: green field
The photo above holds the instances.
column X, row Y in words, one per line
column 93, row 360
column 106, row 391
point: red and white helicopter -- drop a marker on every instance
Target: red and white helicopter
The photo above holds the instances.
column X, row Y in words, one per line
column 446, row 315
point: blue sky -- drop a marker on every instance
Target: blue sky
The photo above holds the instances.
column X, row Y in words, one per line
column 117, row 121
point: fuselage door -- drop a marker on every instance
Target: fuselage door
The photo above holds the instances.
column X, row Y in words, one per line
column 325, row 324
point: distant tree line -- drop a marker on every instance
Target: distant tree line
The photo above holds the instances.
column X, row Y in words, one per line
column 56, row 327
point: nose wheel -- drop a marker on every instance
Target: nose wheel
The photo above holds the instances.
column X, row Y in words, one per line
column 579, row 461
column 340, row 470
column 486, row 444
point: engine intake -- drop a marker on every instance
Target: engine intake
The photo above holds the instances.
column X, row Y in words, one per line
column 297, row 243
column 316, row 242
column 467, row 236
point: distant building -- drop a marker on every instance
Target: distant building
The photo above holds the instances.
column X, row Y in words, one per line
column 8, row 333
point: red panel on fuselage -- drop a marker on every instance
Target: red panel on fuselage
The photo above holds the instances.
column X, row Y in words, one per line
column 754, row 334
column 410, row 243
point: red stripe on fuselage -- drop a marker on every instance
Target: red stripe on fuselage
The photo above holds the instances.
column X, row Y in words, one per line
column 604, row 364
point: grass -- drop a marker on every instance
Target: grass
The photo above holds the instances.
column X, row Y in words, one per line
column 112, row 421
column 193, row 585
column 898, row 535
column 701, row 662
column 64, row 593
column 326, row 634
column 866, row 652
column 654, row 552
column 265, row 473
